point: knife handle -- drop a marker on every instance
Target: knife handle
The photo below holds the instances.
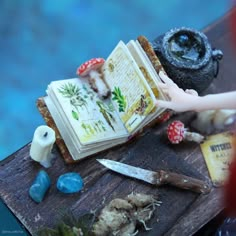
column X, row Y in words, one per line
column 182, row 181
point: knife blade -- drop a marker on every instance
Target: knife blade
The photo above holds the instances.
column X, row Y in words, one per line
column 157, row 178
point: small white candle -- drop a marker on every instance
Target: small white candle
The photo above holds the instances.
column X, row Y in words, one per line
column 42, row 144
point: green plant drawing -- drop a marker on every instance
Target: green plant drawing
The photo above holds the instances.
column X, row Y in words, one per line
column 89, row 92
column 90, row 129
column 110, row 107
column 120, row 99
column 97, row 127
column 102, row 125
column 72, row 92
column 79, row 102
column 85, row 128
column 106, row 114
column 69, row 90
column 75, row 115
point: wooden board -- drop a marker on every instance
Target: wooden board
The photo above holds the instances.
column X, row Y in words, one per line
column 150, row 152
column 182, row 212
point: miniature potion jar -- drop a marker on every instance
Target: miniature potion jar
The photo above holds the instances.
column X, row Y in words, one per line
column 188, row 58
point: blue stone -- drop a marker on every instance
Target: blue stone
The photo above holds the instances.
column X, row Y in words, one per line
column 70, row 183
column 40, row 186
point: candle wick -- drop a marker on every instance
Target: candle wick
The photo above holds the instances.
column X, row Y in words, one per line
column 45, row 135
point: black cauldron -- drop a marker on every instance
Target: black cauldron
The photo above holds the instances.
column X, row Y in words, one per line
column 188, row 58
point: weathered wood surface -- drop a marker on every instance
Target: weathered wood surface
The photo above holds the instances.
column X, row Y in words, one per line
column 208, row 206
column 181, row 213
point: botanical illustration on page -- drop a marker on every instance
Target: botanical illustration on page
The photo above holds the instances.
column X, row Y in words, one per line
column 91, row 119
column 131, row 95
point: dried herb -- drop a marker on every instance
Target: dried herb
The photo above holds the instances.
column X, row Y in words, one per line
column 121, row 216
column 69, row 225
column 126, row 216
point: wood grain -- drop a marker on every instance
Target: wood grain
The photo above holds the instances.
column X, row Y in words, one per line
column 181, row 213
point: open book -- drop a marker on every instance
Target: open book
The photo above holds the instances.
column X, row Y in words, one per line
column 88, row 124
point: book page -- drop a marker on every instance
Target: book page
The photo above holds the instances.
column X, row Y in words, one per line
column 131, row 94
column 149, row 74
column 91, row 119
column 144, row 66
column 76, row 150
column 149, row 67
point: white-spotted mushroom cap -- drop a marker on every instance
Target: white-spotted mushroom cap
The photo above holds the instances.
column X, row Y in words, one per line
column 164, row 117
column 175, row 132
column 92, row 64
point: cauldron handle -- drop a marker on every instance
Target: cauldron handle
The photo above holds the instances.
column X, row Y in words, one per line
column 217, row 55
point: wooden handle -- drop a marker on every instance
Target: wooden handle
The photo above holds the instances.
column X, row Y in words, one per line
column 182, row 181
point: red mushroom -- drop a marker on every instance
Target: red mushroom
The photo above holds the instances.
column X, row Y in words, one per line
column 164, row 117
column 90, row 68
column 176, row 133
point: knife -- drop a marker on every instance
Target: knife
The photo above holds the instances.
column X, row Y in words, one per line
column 157, row 178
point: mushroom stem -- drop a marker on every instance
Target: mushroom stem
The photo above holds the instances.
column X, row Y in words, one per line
column 98, row 84
column 192, row 136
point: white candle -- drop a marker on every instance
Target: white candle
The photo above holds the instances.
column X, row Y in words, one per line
column 41, row 146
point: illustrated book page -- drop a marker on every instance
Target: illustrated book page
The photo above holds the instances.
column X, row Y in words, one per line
column 77, row 151
column 131, row 95
column 89, row 124
column 89, row 119
column 150, row 75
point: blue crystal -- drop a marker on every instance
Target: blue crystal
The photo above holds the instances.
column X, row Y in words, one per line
column 70, row 183
column 40, row 186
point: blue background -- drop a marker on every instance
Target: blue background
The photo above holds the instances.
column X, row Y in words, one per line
column 44, row 40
